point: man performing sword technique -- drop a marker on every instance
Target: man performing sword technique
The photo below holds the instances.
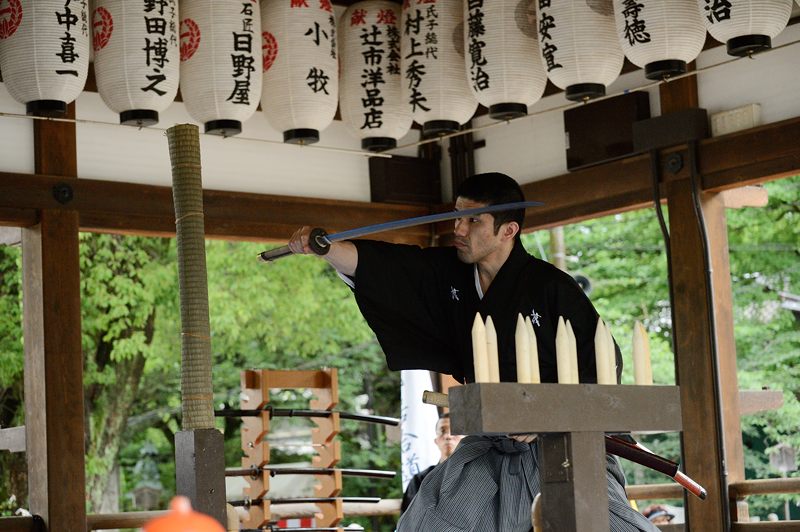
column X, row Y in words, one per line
column 421, row 303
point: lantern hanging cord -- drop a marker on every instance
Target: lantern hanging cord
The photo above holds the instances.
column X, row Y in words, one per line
column 571, row 105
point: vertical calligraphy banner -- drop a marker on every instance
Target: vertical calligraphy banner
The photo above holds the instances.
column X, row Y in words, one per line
column 417, row 424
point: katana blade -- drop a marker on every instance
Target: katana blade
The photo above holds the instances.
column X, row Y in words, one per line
column 291, row 412
column 254, row 471
column 322, row 241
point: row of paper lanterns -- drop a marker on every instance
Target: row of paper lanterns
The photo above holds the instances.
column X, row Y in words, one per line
column 430, row 61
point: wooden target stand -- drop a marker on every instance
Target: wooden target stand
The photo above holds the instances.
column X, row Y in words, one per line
column 256, row 385
column 571, row 421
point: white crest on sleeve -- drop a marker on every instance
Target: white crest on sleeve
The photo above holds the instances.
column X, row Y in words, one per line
column 454, row 294
column 535, row 317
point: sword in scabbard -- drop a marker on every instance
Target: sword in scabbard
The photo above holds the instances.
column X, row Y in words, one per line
column 292, row 412
column 247, row 503
column 320, row 242
column 275, row 528
column 626, row 447
column 273, row 471
column 622, row 445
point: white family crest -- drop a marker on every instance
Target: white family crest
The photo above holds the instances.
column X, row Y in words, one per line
column 535, row 317
column 454, row 294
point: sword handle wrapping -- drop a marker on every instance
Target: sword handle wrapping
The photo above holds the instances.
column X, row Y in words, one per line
column 317, row 241
column 274, row 254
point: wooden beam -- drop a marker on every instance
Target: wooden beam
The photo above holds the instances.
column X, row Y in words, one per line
column 766, row 526
column 20, row 524
column 54, row 410
column 654, row 491
column 12, row 439
column 701, row 446
column 765, row 486
column 10, row 236
column 107, row 206
column 746, row 196
column 727, row 162
column 755, row 401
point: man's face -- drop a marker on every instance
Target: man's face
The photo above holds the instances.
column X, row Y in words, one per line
column 475, row 238
column 445, row 441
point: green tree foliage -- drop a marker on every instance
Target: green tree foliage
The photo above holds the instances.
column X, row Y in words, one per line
column 121, row 285
column 14, row 481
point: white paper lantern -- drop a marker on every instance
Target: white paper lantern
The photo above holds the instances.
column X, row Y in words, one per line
column 505, row 67
column 371, row 100
column 300, row 90
column 436, row 81
column 746, row 26
column 136, row 58
column 220, row 75
column 44, row 52
column 660, row 36
column 579, row 46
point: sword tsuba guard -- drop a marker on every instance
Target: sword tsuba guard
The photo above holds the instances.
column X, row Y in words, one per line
column 318, row 242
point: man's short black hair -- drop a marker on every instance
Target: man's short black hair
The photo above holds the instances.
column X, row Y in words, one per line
column 494, row 188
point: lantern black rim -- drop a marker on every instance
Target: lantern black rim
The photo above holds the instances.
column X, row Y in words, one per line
column 433, row 128
column 223, row 128
column 301, row 136
column 584, row 91
column 748, row 45
column 378, row 143
column 507, row 111
column 50, row 108
column 138, row 117
column 668, row 68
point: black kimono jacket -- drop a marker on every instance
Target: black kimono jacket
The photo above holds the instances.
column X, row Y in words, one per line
column 421, row 303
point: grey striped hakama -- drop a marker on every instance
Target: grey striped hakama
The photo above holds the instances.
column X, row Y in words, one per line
column 488, row 485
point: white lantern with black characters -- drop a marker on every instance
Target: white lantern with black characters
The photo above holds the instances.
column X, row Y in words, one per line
column 505, row 68
column 44, row 52
column 745, row 26
column 137, row 63
column 371, row 100
column 660, row 36
column 220, row 62
column 300, row 89
column 579, row 46
column 436, row 80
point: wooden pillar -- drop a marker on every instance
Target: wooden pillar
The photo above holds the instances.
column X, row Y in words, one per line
column 709, row 459
column 54, row 415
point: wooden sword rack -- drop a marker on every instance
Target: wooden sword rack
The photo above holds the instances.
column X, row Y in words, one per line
column 256, row 385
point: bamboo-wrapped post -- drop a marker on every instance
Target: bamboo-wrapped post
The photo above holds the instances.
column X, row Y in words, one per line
column 199, row 457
